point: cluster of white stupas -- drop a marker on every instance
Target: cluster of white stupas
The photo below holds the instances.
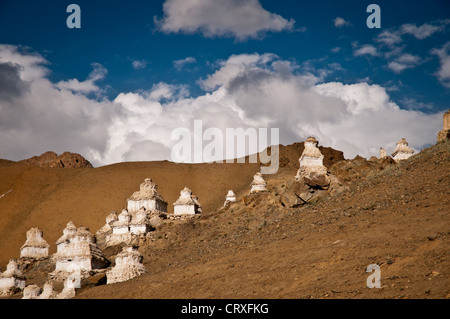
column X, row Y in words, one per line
column 78, row 255
column 143, row 207
column 143, row 213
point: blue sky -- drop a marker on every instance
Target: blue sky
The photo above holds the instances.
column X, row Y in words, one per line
column 174, row 56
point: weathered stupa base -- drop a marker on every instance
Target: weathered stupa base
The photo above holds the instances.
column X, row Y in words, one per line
column 128, row 266
column 312, row 171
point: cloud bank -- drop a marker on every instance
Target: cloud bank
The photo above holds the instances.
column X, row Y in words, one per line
column 246, row 90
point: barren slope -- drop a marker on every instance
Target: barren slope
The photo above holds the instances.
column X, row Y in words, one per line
column 396, row 216
column 48, row 198
column 398, row 219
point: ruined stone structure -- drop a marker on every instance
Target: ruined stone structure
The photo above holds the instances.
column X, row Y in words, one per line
column 258, row 184
column 230, row 198
column 445, row 133
column 311, row 160
column 47, row 291
column 12, row 280
column 187, row 204
column 31, row 292
column 128, row 266
column 383, row 153
column 70, row 284
column 147, row 197
column 35, row 246
column 76, row 250
column 402, row 151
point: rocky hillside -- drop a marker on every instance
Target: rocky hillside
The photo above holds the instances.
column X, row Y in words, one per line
column 273, row 245
column 392, row 215
column 53, row 160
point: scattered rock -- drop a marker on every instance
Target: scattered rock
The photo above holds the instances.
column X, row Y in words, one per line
column 94, row 280
column 156, row 222
column 305, row 196
column 319, row 181
column 288, row 199
column 253, row 199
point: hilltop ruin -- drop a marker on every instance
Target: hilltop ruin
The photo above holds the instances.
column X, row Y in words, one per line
column 445, row 133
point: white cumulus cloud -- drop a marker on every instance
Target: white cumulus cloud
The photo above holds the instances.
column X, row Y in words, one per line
column 241, row 19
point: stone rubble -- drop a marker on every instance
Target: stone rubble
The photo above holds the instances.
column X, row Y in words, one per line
column 31, row 292
column 12, row 279
column 48, row 291
column 128, row 266
column 70, row 284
